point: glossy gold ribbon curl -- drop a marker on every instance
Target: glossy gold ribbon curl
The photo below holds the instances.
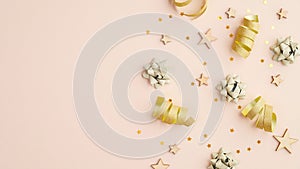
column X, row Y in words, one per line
column 171, row 114
column 195, row 15
column 245, row 36
column 266, row 117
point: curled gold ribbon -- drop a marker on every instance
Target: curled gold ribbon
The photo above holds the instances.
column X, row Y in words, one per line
column 245, row 36
column 171, row 114
column 266, row 117
column 195, row 15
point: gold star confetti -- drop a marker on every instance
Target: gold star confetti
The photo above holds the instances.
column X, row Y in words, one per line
column 139, row 132
column 208, row 145
column 258, row 141
column 282, row 14
column 230, row 13
column 164, row 39
column 205, row 39
column 276, row 80
column 202, row 80
column 285, row 141
column 160, row 165
column 189, row 139
column 174, row 149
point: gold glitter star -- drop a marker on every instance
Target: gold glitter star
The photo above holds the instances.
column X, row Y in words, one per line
column 282, row 14
column 230, row 13
column 160, row 165
column 285, row 141
column 206, row 38
column 276, row 80
column 174, row 149
column 202, row 80
column 164, row 39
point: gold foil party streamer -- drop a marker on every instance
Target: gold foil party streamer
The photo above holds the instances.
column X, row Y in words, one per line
column 195, row 15
column 171, row 114
column 266, row 117
column 245, row 36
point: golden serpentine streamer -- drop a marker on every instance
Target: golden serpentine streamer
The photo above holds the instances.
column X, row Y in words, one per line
column 171, row 114
column 195, row 15
column 266, row 117
column 245, row 36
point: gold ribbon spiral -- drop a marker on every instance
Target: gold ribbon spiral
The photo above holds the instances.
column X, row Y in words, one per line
column 245, row 36
column 195, row 15
column 171, row 114
column 266, row 117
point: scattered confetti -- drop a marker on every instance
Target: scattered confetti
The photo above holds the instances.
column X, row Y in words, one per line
column 267, row 42
column 222, row 160
column 174, row 149
column 248, row 10
column 249, row 149
column 216, row 99
column 205, row 135
column 220, row 17
column 232, row 89
column 239, row 107
column 160, row 165
column 202, row 80
column 187, row 38
column 258, row 141
column 245, row 36
column 238, row 151
column 282, row 14
column 231, row 35
column 208, row 145
column 147, row 32
column 170, row 16
column 165, row 39
column 156, row 73
column 171, row 114
column 265, row 2
column 205, row 39
column 285, row 141
column 276, row 80
column 159, row 19
column 230, row 13
column 272, row 27
column 204, row 63
column 231, row 59
column 271, row 65
column 189, row 139
column 161, row 143
column 231, row 130
column 266, row 117
column 192, row 83
column 139, row 132
column 285, row 50
column 227, row 26
column 262, row 60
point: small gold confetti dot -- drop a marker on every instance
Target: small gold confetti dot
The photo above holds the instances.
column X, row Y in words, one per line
column 267, row 42
column 262, row 60
column 139, row 132
column 216, row 99
column 272, row 27
column 187, row 38
column 249, row 149
column 227, row 26
column 161, row 143
column 220, row 17
column 205, row 135
column 170, row 16
column 231, row 59
column 238, row 151
column 265, row 2
column 170, row 100
column 147, row 32
column 208, row 145
column 258, row 141
column 204, row 63
column 231, row 130
column 181, row 13
column 193, row 83
column 248, row 10
column 159, row 19
column 239, row 107
column 231, row 35
column 270, row 65
column 189, row 139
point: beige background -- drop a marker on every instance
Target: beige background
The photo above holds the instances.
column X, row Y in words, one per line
column 40, row 41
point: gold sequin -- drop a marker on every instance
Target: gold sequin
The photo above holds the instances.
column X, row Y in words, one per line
column 147, row 32
column 189, row 139
column 231, row 130
column 227, row 26
column 258, row 141
column 139, row 132
column 216, row 99
column 262, row 60
column 159, row 19
column 208, row 145
column 231, row 59
column 249, row 149
column 220, row 17
column 231, row 35
column 238, row 151
column 187, row 38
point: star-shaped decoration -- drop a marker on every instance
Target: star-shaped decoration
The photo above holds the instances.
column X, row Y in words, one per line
column 174, row 149
column 206, row 38
column 202, row 80
column 285, row 141
column 165, row 39
column 282, row 14
column 160, row 165
column 230, row 13
column 276, row 80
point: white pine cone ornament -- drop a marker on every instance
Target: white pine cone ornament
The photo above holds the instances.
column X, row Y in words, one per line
column 223, row 160
column 156, row 73
column 285, row 50
column 232, row 89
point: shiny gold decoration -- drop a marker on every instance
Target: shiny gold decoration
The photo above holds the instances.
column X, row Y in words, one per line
column 285, row 141
column 171, row 114
column 282, row 14
column 195, row 15
column 245, row 36
column 266, row 117
column 174, row 149
column 160, row 165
